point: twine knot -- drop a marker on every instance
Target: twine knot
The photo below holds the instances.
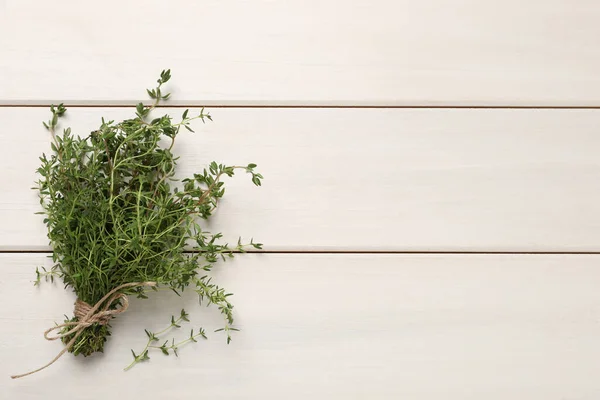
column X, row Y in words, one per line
column 88, row 315
column 82, row 309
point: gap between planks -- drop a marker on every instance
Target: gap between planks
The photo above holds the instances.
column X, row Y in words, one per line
column 424, row 252
column 316, row 106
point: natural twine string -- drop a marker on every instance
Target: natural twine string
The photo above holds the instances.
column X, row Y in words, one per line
column 86, row 316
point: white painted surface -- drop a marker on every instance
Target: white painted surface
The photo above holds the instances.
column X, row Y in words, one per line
column 335, row 326
column 348, row 179
column 345, row 326
column 494, row 52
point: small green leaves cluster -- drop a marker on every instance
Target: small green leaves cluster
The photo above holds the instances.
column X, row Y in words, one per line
column 116, row 213
column 156, row 93
column 213, row 294
column 167, row 347
column 47, row 275
column 241, row 248
column 57, row 112
column 256, row 177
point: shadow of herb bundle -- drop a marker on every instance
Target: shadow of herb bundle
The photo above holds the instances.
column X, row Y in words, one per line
column 117, row 216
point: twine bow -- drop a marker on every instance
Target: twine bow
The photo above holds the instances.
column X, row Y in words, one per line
column 86, row 316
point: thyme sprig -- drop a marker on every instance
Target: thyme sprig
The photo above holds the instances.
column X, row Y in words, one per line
column 166, row 348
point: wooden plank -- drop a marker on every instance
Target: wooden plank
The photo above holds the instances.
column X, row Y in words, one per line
column 336, row 326
column 377, row 179
column 380, row 52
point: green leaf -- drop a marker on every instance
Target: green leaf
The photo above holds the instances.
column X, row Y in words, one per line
column 165, row 75
column 184, row 316
column 61, row 110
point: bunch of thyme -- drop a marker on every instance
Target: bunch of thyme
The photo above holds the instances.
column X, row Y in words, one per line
column 116, row 214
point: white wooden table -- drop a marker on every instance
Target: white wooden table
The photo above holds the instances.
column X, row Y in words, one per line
column 430, row 209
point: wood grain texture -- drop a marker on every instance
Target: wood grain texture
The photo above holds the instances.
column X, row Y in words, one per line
column 299, row 52
column 335, row 327
column 380, row 180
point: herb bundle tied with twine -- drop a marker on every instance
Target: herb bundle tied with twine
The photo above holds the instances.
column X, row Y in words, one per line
column 120, row 223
